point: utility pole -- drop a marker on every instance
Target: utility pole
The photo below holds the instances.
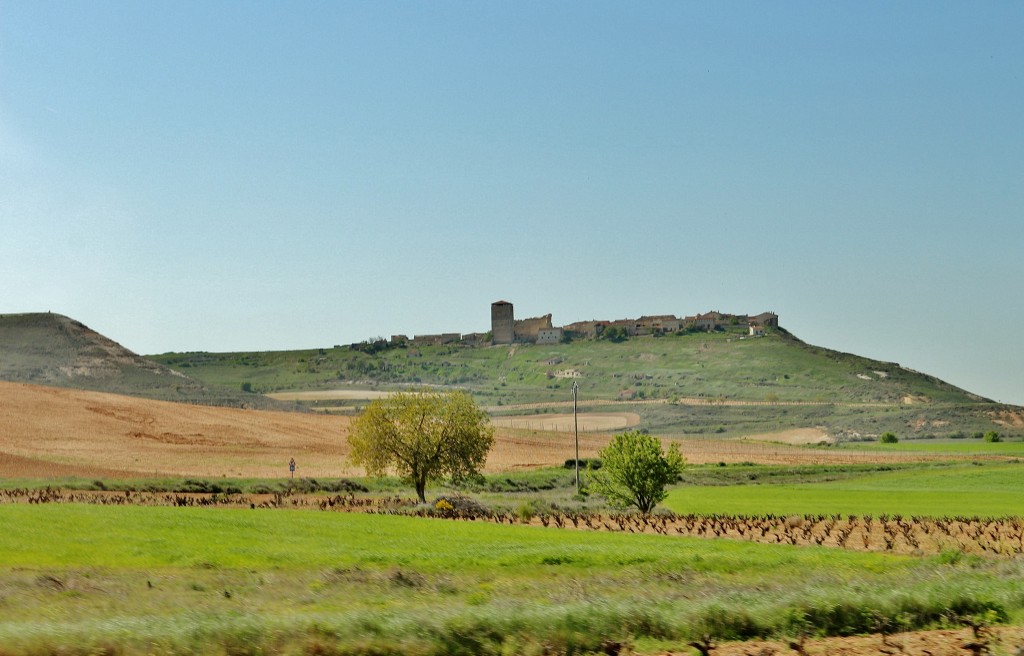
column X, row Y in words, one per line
column 576, row 432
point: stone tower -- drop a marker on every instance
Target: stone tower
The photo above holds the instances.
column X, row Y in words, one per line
column 502, row 323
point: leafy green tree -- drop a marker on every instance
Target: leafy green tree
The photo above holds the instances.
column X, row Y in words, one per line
column 635, row 471
column 615, row 333
column 422, row 436
column 993, row 436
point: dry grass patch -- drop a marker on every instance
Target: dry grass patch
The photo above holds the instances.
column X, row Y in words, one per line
column 588, row 421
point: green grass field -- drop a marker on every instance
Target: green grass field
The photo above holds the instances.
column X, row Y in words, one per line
column 968, row 447
column 102, row 536
column 987, row 490
column 168, row 580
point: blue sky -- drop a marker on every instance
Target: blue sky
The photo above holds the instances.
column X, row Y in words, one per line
column 255, row 176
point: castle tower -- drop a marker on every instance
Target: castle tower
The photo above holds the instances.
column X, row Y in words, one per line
column 502, row 322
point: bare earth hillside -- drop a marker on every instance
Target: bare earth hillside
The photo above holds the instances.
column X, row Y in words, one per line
column 51, row 349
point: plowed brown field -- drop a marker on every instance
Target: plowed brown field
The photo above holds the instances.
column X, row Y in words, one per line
column 54, row 432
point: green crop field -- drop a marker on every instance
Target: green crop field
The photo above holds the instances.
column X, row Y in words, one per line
column 960, row 447
column 168, row 580
column 983, row 489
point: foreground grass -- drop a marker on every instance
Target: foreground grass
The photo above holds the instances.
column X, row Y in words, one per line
column 145, row 580
column 979, row 489
column 134, row 537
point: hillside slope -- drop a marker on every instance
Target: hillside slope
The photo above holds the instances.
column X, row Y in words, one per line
column 51, row 349
column 722, row 365
column 723, row 384
column 703, row 384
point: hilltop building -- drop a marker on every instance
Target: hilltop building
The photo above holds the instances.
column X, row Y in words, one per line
column 549, row 336
column 502, row 322
column 528, row 330
column 766, row 319
column 435, row 340
column 506, row 329
column 660, row 324
column 589, row 329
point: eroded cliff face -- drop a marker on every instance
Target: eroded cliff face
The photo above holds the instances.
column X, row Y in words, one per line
column 55, row 350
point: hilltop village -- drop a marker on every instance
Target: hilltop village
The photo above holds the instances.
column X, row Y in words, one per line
column 506, row 329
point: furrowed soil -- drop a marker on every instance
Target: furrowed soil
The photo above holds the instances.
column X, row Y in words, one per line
column 1001, row 640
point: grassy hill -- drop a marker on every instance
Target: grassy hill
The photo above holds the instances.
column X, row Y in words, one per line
column 715, row 384
column 54, row 350
column 722, row 384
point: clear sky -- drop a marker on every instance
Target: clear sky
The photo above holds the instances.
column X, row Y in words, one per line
column 207, row 175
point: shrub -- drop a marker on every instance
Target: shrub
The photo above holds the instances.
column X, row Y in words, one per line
column 992, row 436
column 311, row 485
column 459, row 503
column 592, row 464
column 888, row 438
column 636, row 470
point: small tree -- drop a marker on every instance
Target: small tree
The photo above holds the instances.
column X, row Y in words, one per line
column 422, row 436
column 635, row 471
column 889, row 438
column 614, row 333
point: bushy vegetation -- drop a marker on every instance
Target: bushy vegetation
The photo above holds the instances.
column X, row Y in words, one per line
column 636, row 470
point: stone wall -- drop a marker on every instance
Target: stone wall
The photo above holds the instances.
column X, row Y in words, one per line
column 526, row 330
